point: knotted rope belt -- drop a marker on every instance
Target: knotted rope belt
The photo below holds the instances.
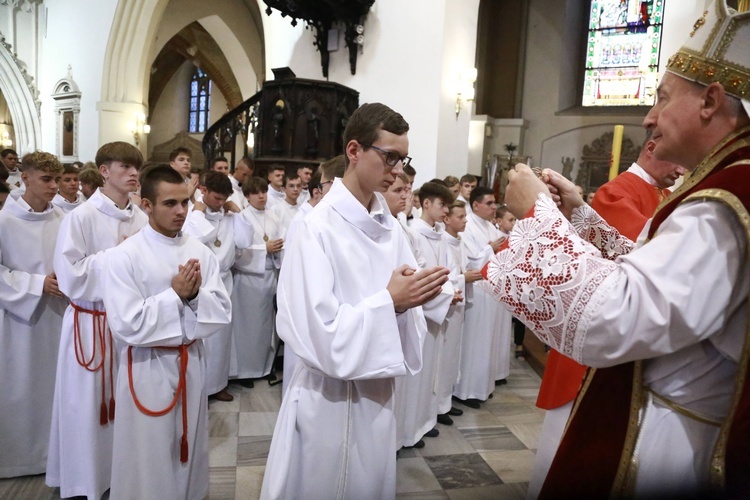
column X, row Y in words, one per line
column 180, row 392
column 102, row 334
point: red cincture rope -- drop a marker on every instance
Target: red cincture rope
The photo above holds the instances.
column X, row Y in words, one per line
column 104, row 336
column 180, row 392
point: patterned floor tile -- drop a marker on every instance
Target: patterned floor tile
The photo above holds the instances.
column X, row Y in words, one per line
column 462, row 471
column 253, row 450
column 511, row 466
column 414, row 475
column 492, row 438
column 221, row 484
column 222, row 424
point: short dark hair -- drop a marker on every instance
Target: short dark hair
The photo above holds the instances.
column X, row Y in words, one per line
column 218, row 159
column 254, row 185
column 78, row 164
column 432, row 190
column 439, row 181
column 314, row 181
column 410, row 171
column 69, row 168
column 290, row 176
column 468, row 178
column 8, row 151
column 176, row 152
column 303, row 166
column 335, row 167
column 119, row 151
column 368, row 120
column 4, row 188
column 44, row 162
column 478, row 193
column 218, row 182
column 91, row 176
column 247, row 161
column 154, row 175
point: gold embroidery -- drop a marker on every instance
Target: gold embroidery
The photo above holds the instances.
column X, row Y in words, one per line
column 624, row 479
column 700, row 22
column 718, row 469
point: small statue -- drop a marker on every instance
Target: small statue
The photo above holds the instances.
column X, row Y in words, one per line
column 567, row 170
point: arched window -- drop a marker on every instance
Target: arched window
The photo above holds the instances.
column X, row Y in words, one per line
column 200, row 97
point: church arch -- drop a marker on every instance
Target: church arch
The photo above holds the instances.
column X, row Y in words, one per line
column 21, row 102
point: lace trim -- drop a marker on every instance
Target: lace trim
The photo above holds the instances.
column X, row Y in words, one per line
column 590, row 226
column 547, row 276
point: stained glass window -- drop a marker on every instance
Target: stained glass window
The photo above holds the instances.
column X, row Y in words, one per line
column 622, row 52
column 200, row 98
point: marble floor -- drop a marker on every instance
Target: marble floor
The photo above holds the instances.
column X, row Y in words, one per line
column 486, row 454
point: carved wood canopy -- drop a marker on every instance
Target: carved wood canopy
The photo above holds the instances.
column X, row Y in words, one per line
column 322, row 15
column 596, row 158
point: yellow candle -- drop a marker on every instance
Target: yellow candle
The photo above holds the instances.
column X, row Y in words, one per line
column 614, row 167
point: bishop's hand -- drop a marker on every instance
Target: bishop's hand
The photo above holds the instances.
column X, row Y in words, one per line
column 563, row 191
column 409, row 289
column 523, row 190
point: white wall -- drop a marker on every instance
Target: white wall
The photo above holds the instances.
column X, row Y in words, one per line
column 404, row 61
column 77, row 34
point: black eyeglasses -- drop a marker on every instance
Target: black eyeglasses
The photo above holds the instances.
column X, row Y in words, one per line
column 320, row 186
column 391, row 158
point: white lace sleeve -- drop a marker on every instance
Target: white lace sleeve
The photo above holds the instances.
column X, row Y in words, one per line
column 590, row 226
column 547, row 276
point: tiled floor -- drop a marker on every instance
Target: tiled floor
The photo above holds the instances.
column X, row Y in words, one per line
column 486, row 453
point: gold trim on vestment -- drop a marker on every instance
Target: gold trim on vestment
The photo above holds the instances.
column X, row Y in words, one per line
column 685, row 412
column 625, row 477
column 718, row 458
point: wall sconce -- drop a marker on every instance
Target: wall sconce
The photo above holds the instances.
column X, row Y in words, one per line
column 5, row 140
column 139, row 127
column 465, row 92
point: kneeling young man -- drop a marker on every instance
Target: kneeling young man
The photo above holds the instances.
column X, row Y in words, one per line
column 158, row 281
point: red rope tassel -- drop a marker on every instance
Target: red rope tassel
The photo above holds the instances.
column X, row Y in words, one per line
column 181, row 392
column 99, row 332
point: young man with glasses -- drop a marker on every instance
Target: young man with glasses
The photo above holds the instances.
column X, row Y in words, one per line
column 349, row 296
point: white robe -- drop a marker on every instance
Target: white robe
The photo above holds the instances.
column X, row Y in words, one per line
column 454, row 325
column 255, row 272
column 284, row 213
column 66, row 205
column 80, row 449
column 678, row 305
column 29, row 336
column 290, row 359
column 15, row 182
column 274, row 197
column 502, row 346
column 146, row 313
column 416, row 401
column 335, row 436
column 237, row 197
column 483, row 315
column 223, row 234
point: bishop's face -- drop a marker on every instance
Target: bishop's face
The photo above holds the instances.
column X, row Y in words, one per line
column 676, row 121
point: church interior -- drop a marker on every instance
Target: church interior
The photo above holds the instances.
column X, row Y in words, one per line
column 483, row 84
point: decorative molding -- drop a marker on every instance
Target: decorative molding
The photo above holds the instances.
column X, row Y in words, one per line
column 22, row 70
column 67, row 97
column 22, row 98
column 25, row 5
